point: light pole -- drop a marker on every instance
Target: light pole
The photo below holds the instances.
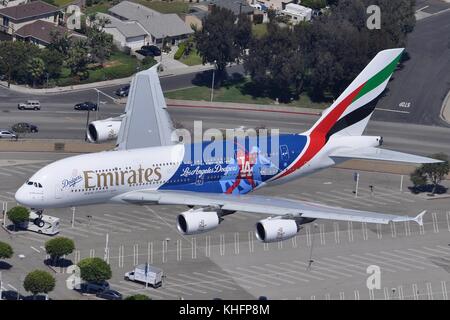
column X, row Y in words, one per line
column 212, row 84
column 73, row 216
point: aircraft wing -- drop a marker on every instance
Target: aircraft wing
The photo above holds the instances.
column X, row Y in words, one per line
column 263, row 205
column 372, row 153
column 146, row 122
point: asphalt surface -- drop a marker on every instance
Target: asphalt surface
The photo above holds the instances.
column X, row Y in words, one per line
column 229, row 262
column 416, row 92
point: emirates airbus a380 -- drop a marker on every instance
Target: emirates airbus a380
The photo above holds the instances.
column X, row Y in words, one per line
column 149, row 167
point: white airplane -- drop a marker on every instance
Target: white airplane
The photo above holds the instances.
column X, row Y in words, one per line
column 148, row 168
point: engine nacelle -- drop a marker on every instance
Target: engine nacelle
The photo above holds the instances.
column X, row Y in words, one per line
column 270, row 230
column 103, row 130
column 197, row 221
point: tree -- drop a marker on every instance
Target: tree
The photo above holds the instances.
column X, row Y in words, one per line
column 13, row 56
column 418, row 178
column 78, row 59
column 6, row 250
column 59, row 247
column 60, row 42
column 435, row 172
column 216, row 41
column 18, row 214
column 94, row 270
column 138, row 297
column 53, row 61
column 36, row 68
column 99, row 42
column 39, row 281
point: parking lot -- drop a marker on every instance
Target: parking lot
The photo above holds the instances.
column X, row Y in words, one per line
column 326, row 260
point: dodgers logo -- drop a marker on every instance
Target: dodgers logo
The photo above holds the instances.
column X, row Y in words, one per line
column 72, row 182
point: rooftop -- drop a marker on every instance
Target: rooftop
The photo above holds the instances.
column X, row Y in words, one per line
column 234, row 5
column 29, row 10
column 127, row 28
column 155, row 23
column 42, row 30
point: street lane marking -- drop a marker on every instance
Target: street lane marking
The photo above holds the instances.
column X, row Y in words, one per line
column 35, row 249
column 240, row 278
column 390, row 110
column 282, row 274
column 396, row 263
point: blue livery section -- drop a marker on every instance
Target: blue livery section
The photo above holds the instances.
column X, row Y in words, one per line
column 234, row 167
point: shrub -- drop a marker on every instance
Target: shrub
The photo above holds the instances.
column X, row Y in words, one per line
column 6, row 250
column 39, row 281
column 94, row 270
column 59, row 247
column 18, row 214
column 180, row 51
column 138, row 297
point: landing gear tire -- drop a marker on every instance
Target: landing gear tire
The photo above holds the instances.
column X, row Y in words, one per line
column 39, row 222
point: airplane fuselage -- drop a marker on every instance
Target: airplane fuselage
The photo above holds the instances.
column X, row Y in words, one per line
column 222, row 167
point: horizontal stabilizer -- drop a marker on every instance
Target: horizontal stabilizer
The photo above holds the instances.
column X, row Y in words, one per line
column 372, row 153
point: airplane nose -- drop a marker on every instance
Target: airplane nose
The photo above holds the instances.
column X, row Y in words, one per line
column 21, row 196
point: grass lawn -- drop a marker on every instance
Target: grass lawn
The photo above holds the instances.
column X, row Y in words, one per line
column 234, row 93
column 259, row 30
column 101, row 7
column 118, row 66
column 192, row 59
column 166, row 7
column 61, row 3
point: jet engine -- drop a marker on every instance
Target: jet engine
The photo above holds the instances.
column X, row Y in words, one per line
column 103, row 130
column 271, row 230
column 197, row 221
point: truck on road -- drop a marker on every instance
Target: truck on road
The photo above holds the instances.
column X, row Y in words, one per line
column 147, row 274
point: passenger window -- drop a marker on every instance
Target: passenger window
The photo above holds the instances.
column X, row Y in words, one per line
column 29, row 183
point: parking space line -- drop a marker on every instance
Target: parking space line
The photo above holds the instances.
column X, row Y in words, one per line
column 7, row 198
column 446, row 249
column 395, row 263
column 5, row 174
column 429, row 291
column 141, row 288
column 286, row 271
column 240, row 277
column 132, row 223
column 398, row 256
column 368, row 197
column 327, row 194
column 217, row 282
column 302, row 272
column 15, row 172
column 346, row 266
column 315, row 271
column 73, row 232
column 444, row 290
column 266, row 274
column 78, row 230
column 437, row 251
column 282, row 274
column 325, row 267
column 308, row 197
column 258, row 277
column 370, row 262
column 209, row 284
column 158, row 222
column 109, row 223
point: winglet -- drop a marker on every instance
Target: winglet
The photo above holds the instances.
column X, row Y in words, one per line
column 419, row 218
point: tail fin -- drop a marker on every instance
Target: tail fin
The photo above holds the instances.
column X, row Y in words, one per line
column 349, row 114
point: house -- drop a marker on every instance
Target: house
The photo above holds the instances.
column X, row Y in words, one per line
column 158, row 26
column 195, row 16
column 40, row 32
column 277, row 5
column 125, row 33
column 237, row 6
column 14, row 18
column 297, row 13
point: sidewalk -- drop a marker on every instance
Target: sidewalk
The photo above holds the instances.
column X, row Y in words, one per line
column 445, row 110
column 243, row 107
column 80, row 87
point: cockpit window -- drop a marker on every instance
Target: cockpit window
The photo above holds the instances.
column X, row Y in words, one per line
column 36, row 184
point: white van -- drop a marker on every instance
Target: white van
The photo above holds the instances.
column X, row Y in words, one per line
column 146, row 273
column 42, row 224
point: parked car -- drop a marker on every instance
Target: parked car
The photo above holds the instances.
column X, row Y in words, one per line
column 86, row 106
column 25, row 127
column 7, row 134
column 30, row 105
column 149, row 51
column 110, row 295
column 123, row 91
column 93, row 287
